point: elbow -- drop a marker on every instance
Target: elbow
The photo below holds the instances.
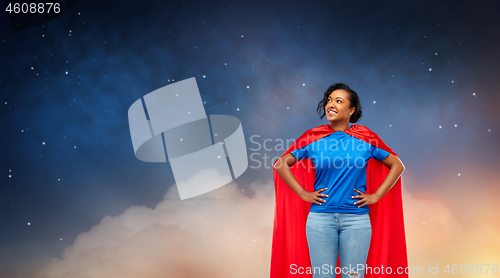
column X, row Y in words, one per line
column 277, row 164
column 397, row 165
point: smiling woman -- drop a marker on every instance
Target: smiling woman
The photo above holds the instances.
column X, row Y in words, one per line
column 338, row 220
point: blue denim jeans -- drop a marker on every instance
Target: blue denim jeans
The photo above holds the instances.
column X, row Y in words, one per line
column 332, row 234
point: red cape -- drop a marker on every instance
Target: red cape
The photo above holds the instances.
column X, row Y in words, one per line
column 388, row 243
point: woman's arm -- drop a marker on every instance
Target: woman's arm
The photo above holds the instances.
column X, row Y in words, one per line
column 282, row 166
column 396, row 169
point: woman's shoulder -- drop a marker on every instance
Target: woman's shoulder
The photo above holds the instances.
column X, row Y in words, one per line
column 363, row 133
column 360, row 128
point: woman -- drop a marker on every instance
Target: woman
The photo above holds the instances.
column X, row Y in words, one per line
column 338, row 223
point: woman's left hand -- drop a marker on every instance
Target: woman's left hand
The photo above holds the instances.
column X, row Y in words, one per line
column 366, row 199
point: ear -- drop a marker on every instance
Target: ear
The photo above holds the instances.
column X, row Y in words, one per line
column 352, row 110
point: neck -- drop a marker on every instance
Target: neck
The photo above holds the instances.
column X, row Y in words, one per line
column 339, row 126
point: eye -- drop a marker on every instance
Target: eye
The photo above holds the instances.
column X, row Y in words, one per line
column 329, row 100
column 339, row 100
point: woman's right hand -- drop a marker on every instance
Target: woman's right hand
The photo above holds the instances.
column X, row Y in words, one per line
column 314, row 197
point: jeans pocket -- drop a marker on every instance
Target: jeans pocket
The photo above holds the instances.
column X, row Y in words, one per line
column 313, row 218
column 365, row 220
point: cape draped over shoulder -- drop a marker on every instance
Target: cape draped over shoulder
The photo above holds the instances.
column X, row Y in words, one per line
column 289, row 247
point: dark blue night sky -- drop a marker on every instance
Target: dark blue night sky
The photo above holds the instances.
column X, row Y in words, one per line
column 427, row 72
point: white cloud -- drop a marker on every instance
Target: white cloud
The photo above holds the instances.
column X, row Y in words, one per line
column 219, row 234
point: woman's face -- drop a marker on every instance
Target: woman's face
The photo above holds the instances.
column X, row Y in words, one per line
column 338, row 106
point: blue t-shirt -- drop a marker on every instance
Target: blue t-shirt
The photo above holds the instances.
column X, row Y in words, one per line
column 340, row 162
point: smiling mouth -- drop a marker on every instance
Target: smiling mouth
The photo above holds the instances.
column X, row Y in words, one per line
column 331, row 112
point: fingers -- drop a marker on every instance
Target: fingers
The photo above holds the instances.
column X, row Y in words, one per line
column 319, row 199
column 358, row 196
column 321, row 195
column 315, row 196
column 364, row 202
column 362, row 205
column 359, row 201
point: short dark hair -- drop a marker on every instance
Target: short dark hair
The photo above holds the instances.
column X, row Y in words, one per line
column 353, row 99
